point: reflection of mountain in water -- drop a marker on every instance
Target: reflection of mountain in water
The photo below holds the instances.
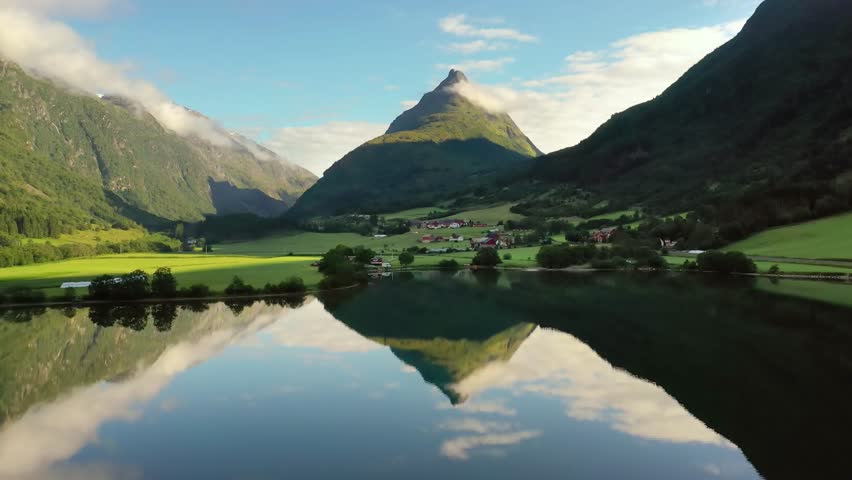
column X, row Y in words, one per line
column 443, row 332
column 771, row 374
column 57, row 351
column 445, row 363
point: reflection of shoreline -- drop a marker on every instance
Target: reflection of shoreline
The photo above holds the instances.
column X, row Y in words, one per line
column 53, row 432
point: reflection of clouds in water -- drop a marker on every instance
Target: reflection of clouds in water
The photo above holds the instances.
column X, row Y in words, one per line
column 53, row 432
column 556, row 364
column 473, row 406
column 311, row 326
column 473, row 425
column 459, row 448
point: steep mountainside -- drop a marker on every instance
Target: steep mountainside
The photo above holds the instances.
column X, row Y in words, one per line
column 770, row 111
column 79, row 158
column 443, row 146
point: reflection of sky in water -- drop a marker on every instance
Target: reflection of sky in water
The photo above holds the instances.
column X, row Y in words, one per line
column 298, row 393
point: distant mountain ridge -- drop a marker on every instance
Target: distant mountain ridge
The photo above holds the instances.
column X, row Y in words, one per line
column 443, row 146
column 771, row 109
column 69, row 159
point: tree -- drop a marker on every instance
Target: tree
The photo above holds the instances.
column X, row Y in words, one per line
column 486, row 257
column 164, row 284
column 406, row 259
column 179, row 231
column 238, row 287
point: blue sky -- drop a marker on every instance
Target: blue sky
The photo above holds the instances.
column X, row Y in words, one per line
column 336, row 73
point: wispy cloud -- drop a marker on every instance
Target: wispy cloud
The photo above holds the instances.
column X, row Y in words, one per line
column 51, row 49
column 318, row 146
column 80, row 8
column 479, row 65
column 560, row 110
column 475, row 46
column 462, row 26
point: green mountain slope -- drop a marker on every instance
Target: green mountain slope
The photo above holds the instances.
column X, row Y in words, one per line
column 770, row 111
column 444, row 146
column 82, row 159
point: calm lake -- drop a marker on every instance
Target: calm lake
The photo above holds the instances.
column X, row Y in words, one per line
column 495, row 375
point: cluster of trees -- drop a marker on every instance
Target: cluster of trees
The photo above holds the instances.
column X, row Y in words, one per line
column 291, row 285
column 344, row 266
column 565, row 255
column 366, row 225
column 486, row 257
column 14, row 251
column 724, row 262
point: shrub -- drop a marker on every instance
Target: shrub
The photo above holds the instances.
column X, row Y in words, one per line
column 507, row 256
column 195, row 291
column 774, row 270
column 726, row 262
column 132, row 286
column 163, row 283
column 238, row 287
column 291, row 285
column 448, row 264
column 25, row 295
column 406, row 259
column 486, row 257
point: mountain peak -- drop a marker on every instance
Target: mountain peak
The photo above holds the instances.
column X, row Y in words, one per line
column 454, row 77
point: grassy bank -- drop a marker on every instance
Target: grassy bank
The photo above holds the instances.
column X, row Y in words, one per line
column 215, row 271
column 827, row 238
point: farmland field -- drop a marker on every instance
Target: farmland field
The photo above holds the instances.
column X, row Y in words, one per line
column 414, row 213
column 612, row 215
column 764, row 267
column 216, row 271
column 93, row 237
column 827, row 238
column 489, row 215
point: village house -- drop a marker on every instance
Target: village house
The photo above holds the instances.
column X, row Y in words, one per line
column 426, row 239
column 604, row 235
column 667, row 243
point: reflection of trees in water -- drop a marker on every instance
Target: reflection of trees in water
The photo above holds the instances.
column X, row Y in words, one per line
column 101, row 315
column 292, row 301
column 134, row 317
column 195, row 307
column 130, row 316
column 237, row 305
column 164, row 315
column 69, row 312
column 487, row 277
column 22, row 315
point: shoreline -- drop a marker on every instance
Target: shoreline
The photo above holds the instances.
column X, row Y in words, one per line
column 815, row 277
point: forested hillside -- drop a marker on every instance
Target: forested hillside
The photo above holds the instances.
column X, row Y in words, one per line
column 68, row 160
column 759, row 133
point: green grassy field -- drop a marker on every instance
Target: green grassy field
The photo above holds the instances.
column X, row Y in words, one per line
column 613, row 215
column 313, row 243
column 827, row 238
column 489, row 215
column 93, row 237
column 763, row 267
column 216, row 271
column 414, row 213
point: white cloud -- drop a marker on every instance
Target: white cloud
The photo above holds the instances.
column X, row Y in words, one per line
column 475, row 46
column 311, row 326
column 51, row 49
column 86, row 8
column 391, row 88
column 406, row 104
column 479, row 65
column 318, row 146
column 461, row 26
column 561, row 110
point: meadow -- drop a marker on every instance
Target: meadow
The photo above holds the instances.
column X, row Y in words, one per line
column 93, row 237
column 763, row 267
column 827, row 238
column 216, row 271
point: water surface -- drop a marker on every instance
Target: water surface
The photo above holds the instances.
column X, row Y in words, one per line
column 435, row 375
